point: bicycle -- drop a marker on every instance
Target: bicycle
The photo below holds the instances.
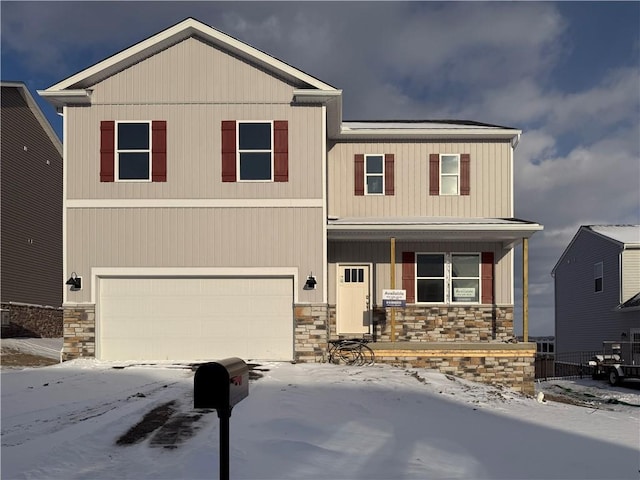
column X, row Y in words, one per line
column 351, row 351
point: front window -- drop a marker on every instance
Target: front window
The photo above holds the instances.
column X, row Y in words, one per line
column 465, row 277
column 449, row 174
column 133, row 151
column 255, row 151
column 430, row 277
column 374, row 165
column 597, row 276
column 448, row 278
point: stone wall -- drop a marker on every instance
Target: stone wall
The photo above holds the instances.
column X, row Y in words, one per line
column 32, row 321
column 310, row 343
column 513, row 368
column 471, row 323
column 79, row 332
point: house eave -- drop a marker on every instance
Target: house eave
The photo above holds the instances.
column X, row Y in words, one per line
column 173, row 35
column 66, row 97
column 430, row 133
column 505, row 232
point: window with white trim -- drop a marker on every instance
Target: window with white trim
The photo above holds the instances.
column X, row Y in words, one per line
column 449, row 174
column 374, row 174
column 448, row 278
column 598, row 274
column 255, row 151
column 133, row 151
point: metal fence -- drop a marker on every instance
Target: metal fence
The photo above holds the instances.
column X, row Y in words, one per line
column 565, row 365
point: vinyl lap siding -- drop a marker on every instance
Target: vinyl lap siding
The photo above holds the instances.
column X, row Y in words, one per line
column 630, row 273
column 194, row 152
column 192, row 71
column 196, row 237
column 584, row 318
column 31, row 207
column 490, row 181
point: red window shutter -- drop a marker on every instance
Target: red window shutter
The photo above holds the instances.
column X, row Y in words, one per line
column 409, row 275
column 159, row 151
column 486, row 277
column 465, row 174
column 281, row 151
column 229, row 151
column 359, row 173
column 388, row 173
column 434, row 174
column 107, row 150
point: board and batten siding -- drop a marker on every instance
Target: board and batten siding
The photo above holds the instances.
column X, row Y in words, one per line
column 630, row 273
column 378, row 253
column 195, row 237
column 192, row 71
column 585, row 318
column 194, row 152
column 31, row 207
column 490, row 180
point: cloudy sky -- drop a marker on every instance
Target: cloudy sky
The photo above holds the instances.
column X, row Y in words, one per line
column 567, row 74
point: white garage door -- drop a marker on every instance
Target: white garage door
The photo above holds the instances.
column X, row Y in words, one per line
column 195, row 318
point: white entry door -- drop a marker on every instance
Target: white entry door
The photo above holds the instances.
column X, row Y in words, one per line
column 353, row 313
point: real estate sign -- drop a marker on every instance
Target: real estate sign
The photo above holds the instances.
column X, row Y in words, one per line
column 394, row 298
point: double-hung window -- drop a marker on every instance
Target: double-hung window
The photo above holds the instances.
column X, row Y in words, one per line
column 449, row 174
column 598, row 274
column 133, row 151
column 465, row 277
column 430, row 277
column 448, row 278
column 374, row 173
column 255, row 151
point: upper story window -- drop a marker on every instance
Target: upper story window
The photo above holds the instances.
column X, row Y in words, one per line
column 255, row 151
column 133, row 151
column 598, row 274
column 374, row 172
column 449, row 174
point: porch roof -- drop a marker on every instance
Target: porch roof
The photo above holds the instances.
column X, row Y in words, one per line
column 509, row 231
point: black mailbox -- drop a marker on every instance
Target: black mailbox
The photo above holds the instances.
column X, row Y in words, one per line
column 221, row 385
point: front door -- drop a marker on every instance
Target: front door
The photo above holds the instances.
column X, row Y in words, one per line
column 353, row 315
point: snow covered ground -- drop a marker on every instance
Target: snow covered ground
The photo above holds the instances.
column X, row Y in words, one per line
column 307, row 421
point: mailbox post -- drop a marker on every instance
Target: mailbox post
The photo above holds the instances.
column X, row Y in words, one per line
column 221, row 385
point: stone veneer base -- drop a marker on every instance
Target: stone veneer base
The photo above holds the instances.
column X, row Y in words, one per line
column 27, row 320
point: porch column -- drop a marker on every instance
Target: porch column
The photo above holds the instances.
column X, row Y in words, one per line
column 525, row 289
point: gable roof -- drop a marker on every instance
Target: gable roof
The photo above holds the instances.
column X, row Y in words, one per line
column 625, row 236
column 37, row 112
column 187, row 28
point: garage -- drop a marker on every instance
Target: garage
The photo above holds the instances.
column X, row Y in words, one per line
column 208, row 318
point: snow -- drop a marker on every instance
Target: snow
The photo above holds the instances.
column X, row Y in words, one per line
column 43, row 347
column 308, row 421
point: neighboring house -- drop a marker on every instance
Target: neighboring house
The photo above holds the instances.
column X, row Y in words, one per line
column 216, row 205
column 597, row 288
column 30, row 217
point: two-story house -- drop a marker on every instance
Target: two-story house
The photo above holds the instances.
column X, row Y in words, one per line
column 30, row 217
column 597, row 289
column 217, row 204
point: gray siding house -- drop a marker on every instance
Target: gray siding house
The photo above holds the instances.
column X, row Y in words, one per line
column 597, row 285
column 216, row 204
column 30, row 218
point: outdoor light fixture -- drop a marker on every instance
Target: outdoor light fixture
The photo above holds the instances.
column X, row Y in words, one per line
column 75, row 281
column 310, row 283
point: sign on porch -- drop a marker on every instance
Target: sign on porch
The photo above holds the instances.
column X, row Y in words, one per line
column 394, row 298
